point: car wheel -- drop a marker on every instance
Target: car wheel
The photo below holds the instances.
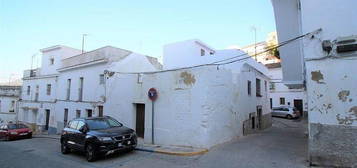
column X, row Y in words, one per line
column 289, row 116
column 64, row 148
column 90, row 153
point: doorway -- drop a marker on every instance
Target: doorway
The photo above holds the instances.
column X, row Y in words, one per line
column 140, row 120
column 259, row 115
column 47, row 119
column 298, row 104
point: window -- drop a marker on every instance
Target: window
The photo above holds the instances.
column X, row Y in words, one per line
column 101, row 79
column 28, row 90
column 52, row 61
column 258, row 90
column 78, row 113
column 89, row 113
column 37, row 92
column 12, row 106
column 203, row 52
column 271, row 86
column 68, row 89
column 80, row 89
column 100, row 110
column 249, row 88
column 48, row 90
column 282, row 100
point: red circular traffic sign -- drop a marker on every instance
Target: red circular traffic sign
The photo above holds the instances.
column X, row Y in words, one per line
column 152, row 94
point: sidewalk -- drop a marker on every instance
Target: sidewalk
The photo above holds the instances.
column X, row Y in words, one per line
column 169, row 150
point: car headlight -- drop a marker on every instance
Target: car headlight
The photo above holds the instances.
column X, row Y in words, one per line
column 13, row 133
column 105, row 138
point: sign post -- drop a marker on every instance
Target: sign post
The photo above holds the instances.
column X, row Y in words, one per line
column 152, row 94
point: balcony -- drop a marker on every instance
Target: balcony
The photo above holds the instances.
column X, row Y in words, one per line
column 31, row 73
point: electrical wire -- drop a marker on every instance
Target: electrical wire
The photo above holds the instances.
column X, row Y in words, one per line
column 217, row 63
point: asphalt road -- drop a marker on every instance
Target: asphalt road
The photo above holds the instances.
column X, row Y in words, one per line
column 283, row 145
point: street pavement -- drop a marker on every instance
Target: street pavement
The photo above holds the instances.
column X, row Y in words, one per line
column 283, row 145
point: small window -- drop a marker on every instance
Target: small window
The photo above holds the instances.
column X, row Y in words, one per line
column 28, row 90
column 249, row 88
column 48, row 91
column 101, row 79
column 78, row 113
column 52, row 61
column 65, row 117
column 282, row 100
column 203, row 52
column 271, row 86
column 258, row 90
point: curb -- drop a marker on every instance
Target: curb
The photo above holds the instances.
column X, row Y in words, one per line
column 173, row 153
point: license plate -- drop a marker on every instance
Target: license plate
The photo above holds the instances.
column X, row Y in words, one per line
column 23, row 134
column 120, row 144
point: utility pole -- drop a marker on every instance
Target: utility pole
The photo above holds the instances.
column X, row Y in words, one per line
column 83, row 35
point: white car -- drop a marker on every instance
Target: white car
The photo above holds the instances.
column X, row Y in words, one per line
column 286, row 111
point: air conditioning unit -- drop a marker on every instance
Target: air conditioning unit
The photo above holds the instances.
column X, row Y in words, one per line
column 346, row 44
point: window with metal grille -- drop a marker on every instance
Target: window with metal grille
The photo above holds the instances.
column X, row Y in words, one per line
column 48, row 90
column 258, row 88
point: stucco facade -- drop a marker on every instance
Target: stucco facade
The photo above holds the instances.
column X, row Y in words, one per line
column 9, row 96
column 329, row 75
column 49, row 100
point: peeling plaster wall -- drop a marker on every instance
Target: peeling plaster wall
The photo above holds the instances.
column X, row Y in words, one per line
column 331, row 84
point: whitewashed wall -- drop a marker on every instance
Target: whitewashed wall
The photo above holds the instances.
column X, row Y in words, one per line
column 199, row 107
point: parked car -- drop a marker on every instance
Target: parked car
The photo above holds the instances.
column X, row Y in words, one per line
column 286, row 111
column 11, row 131
column 97, row 136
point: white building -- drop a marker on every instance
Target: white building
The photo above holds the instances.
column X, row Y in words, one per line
column 208, row 105
column 70, row 84
column 325, row 62
column 281, row 95
column 198, row 107
column 258, row 50
column 9, row 96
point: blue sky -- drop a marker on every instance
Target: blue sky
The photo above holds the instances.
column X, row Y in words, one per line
column 140, row 26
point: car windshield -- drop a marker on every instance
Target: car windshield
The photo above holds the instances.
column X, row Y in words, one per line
column 102, row 123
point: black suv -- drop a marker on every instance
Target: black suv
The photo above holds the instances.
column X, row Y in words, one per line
column 97, row 136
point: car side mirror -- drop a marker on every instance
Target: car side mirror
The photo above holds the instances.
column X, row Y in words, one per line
column 83, row 129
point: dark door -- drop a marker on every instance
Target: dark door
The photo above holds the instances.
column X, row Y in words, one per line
column 140, row 120
column 47, row 119
column 259, row 115
column 298, row 104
